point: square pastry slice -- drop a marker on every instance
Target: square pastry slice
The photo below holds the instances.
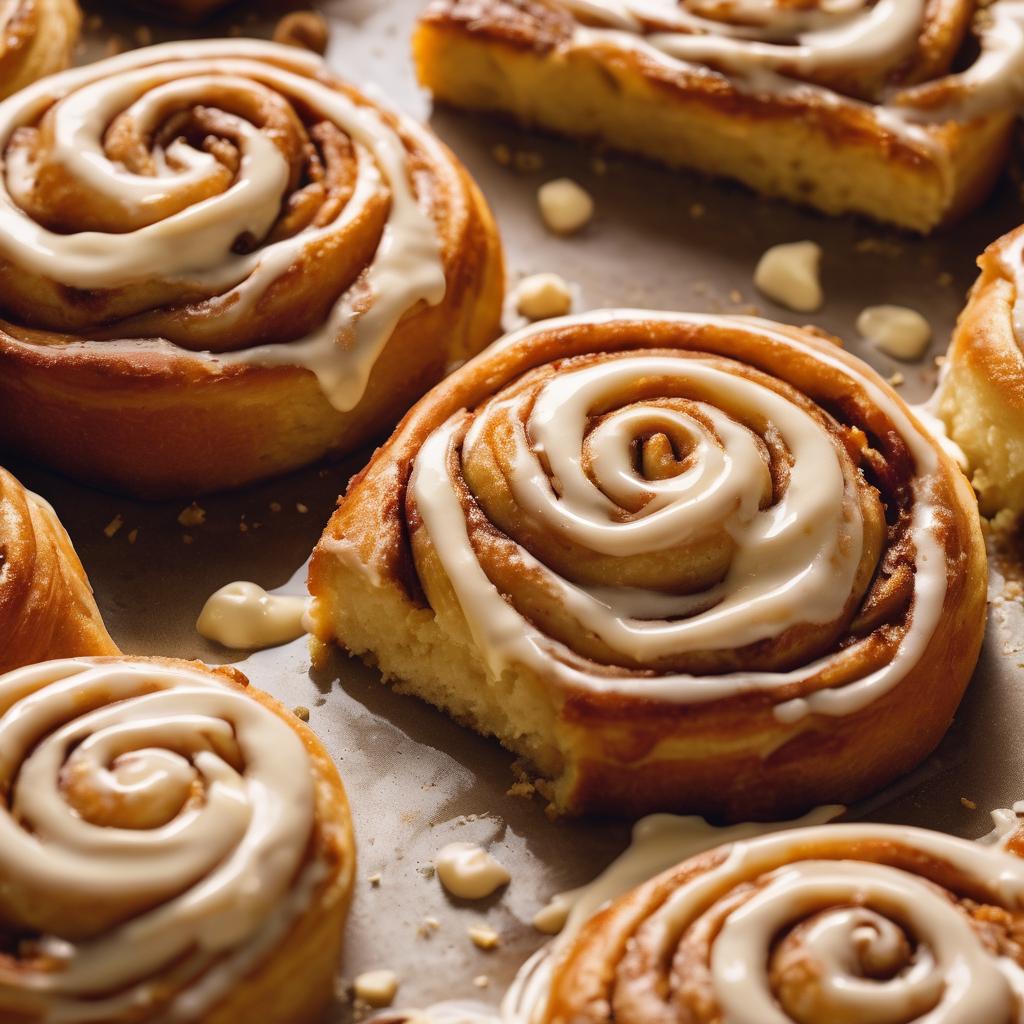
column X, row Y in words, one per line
column 846, row 107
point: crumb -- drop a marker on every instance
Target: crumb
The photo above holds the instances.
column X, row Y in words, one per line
column 275, row 506
column 427, row 870
column 301, row 712
column 186, row 538
column 427, row 927
column 944, row 280
column 243, row 527
column 481, row 981
column 897, row 379
column 735, row 296
column 375, row 880
column 969, row 804
column 527, row 161
column 484, row 938
column 377, row 988
column 542, row 296
column 299, row 507
column 525, row 789
column 697, row 210
column 306, row 29
column 192, row 516
column 114, row 525
column 940, row 361
column 133, row 536
column 502, row 154
column 789, row 274
column 565, row 206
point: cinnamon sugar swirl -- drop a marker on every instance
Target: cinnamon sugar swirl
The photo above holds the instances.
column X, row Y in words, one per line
column 847, row 107
column 173, row 844
column 840, row 924
column 675, row 561
column 219, row 263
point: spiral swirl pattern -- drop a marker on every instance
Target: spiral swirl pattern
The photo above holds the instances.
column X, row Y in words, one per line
column 222, row 198
column 678, row 524
column 843, row 924
column 156, row 824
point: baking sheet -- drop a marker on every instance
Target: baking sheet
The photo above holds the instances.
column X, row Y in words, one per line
column 417, row 781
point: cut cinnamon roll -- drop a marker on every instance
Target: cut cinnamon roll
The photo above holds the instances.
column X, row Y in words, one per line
column 847, row 107
column 37, row 38
column 174, row 846
column 218, row 263
column 981, row 393
column 841, row 924
column 47, row 609
column 675, row 561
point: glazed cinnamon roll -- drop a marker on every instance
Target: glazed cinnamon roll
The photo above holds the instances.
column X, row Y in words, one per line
column 218, row 263
column 981, row 393
column 37, row 38
column 47, row 609
column 842, row 924
column 174, row 846
column 675, row 561
column 847, row 107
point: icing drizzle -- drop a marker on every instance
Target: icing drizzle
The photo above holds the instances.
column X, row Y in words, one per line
column 794, row 560
column 164, row 818
column 194, row 248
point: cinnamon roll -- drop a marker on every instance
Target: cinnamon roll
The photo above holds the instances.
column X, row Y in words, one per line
column 37, row 38
column 218, row 263
column 674, row 561
column 846, row 107
column 173, row 846
column 981, row 392
column 841, row 924
column 47, row 608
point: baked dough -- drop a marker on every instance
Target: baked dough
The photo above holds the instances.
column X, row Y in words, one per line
column 37, row 38
column 841, row 107
column 174, row 844
column 47, row 609
column 218, row 263
column 674, row 561
column 981, row 391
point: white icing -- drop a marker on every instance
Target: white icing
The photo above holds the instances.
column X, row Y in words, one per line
column 194, row 247
column 896, row 330
column 783, row 49
column 211, row 871
column 864, row 909
column 789, row 274
column 245, row 617
column 793, row 563
column 469, row 872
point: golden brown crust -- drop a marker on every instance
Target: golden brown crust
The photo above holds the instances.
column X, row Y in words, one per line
column 291, row 981
column 46, row 605
column 161, row 417
column 628, row 964
column 612, row 750
column 981, row 395
column 37, row 39
column 832, row 152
